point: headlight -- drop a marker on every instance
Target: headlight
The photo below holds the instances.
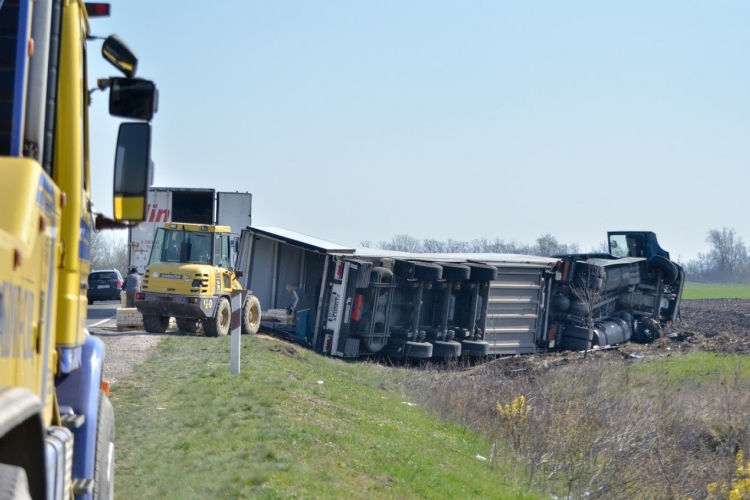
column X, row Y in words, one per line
column 154, row 274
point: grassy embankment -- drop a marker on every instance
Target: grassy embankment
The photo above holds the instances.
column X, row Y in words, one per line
column 715, row 291
column 652, row 428
column 293, row 424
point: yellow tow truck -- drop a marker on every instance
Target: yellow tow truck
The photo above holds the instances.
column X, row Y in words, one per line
column 190, row 277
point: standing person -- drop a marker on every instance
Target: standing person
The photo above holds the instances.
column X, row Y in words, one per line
column 299, row 299
column 132, row 285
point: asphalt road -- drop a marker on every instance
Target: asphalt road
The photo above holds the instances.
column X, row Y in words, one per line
column 102, row 313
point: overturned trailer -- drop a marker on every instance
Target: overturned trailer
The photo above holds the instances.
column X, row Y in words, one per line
column 413, row 305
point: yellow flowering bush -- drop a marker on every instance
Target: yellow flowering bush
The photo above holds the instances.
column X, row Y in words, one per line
column 740, row 487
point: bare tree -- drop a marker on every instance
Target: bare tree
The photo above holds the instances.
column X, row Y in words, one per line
column 401, row 243
column 587, row 290
column 109, row 251
column 728, row 253
column 434, row 246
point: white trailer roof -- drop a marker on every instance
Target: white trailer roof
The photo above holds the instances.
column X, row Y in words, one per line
column 485, row 258
column 301, row 240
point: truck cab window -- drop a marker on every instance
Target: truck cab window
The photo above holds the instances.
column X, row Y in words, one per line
column 618, row 245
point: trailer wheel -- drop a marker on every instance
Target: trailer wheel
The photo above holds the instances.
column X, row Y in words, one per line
column 455, row 272
column 418, row 350
column 427, row 272
column 219, row 325
column 155, row 324
column 482, row 272
column 104, row 460
column 188, row 325
column 667, row 267
column 403, row 269
column 251, row 316
column 442, row 349
column 394, row 348
column 475, row 348
column 380, row 275
column 14, row 484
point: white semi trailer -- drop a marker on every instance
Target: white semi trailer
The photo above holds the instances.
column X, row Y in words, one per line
column 186, row 205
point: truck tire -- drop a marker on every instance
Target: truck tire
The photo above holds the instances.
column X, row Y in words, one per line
column 221, row 323
column 483, row 272
column 104, row 461
column 380, row 275
column 418, row 350
column 394, row 348
column 475, row 348
column 188, row 325
column 155, row 324
column 251, row 316
column 455, row 272
column 427, row 272
column 442, row 349
column 403, row 269
column 669, row 271
column 13, row 483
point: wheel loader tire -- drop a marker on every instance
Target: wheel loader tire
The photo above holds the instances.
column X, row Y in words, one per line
column 221, row 323
column 427, row 272
column 251, row 316
column 482, row 272
column 669, row 271
column 188, row 325
column 155, row 324
column 418, row 350
column 104, row 460
column 403, row 269
column 14, row 484
column 475, row 348
column 455, row 272
column 442, row 349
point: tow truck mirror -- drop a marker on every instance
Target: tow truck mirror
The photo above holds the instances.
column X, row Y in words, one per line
column 119, row 55
column 133, row 98
column 132, row 171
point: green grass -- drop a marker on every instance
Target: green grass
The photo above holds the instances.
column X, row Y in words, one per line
column 699, row 365
column 187, row 428
column 715, row 291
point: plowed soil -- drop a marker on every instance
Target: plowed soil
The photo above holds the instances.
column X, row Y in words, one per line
column 721, row 325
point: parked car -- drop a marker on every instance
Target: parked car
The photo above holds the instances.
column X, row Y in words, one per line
column 104, row 285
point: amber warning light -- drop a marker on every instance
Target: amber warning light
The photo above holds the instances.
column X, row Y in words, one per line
column 97, row 9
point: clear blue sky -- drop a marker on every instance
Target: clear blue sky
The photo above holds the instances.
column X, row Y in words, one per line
column 354, row 120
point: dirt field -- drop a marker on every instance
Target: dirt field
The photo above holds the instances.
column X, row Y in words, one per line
column 720, row 325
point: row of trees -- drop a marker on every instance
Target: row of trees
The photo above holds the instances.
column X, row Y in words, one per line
column 545, row 245
column 727, row 261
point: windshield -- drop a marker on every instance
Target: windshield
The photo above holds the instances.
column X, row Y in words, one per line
column 181, row 246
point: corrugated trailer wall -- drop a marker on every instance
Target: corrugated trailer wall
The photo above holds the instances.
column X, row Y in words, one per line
column 515, row 309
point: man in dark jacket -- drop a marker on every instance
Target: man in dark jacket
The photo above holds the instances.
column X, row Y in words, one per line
column 299, row 299
column 132, row 285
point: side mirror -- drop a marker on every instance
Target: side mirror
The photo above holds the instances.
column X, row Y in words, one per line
column 119, row 55
column 137, row 98
column 132, row 171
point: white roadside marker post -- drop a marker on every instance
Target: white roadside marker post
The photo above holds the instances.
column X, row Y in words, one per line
column 238, row 299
